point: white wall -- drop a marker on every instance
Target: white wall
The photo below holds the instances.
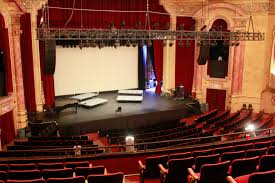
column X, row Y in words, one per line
column 94, row 69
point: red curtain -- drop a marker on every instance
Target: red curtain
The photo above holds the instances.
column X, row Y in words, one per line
column 184, row 71
column 158, row 63
column 92, row 19
column 7, row 127
column 216, row 99
column 4, row 45
column 27, row 62
column 47, row 79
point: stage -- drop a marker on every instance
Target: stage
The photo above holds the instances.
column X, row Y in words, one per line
column 153, row 109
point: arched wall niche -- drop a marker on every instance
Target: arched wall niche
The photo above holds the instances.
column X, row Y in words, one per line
column 236, row 19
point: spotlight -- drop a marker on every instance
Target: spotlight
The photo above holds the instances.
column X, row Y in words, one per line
column 250, row 128
column 164, row 43
column 141, row 43
column 149, row 43
column 180, row 43
column 128, row 43
column 171, row 43
column 117, row 43
column 188, row 44
column 134, row 43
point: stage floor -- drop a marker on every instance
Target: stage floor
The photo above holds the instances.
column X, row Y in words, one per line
column 152, row 109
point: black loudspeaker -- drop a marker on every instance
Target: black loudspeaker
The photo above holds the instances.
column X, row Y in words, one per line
column 2, row 74
column 50, row 57
column 204, row 54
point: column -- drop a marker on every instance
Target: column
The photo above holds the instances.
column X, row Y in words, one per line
column 36, row 63
column 169, row 58
column 21, row 109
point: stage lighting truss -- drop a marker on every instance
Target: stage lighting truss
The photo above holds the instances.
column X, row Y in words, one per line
column 146, row 36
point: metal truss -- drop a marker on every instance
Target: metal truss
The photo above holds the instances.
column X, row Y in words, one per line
column 139, row 35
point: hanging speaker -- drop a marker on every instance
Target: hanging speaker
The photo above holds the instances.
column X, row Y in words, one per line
column 50, row 56
column 204, row 53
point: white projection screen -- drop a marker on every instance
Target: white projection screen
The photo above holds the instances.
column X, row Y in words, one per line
column 95, row 70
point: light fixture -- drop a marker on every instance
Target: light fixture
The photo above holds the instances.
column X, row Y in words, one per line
column 250, row 128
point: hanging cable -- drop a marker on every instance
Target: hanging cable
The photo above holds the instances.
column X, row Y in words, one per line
column 72, row 13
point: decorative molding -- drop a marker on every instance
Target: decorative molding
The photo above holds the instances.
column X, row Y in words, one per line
column 7, row 104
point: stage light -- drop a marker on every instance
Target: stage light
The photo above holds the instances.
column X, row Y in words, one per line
column 130, row 141
column 164, row 43
column 250, row 127
column 180, row 43
column 171, row 43
column 117, row 42
column 128, row 43
column 134, row 43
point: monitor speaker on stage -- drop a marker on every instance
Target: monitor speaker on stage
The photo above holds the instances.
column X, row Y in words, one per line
column 50, row 56
column 204, row 54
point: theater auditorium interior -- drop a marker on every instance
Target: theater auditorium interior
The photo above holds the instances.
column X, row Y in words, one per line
column 137, row 91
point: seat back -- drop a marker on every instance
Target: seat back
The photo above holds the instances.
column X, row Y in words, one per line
column 268, row 176
column 3, row 176
column 214, row 173
column 78, row 179
column 151, row 163
column 73, row 165
column 57, row 173
column 179, row 155
column 24, row 174
column 29, row 166
column 177, row 169
column 244, row 166
column 3, row 167
column 271, row 150
column 201, row 153
column 112, row 178
column 230, row 156
column 255, row 152
column 42, row 166
column 259, row 145
column 221, row 150
column 85, row 171
column 202, row 160
column 27, row 181
column 243, row 147
column 267, row 162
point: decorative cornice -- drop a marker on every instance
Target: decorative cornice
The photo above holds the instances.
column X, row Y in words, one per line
column 7, row 104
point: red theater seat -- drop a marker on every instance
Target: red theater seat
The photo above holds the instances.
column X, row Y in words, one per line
column 243, row 166
column 179, row 155
column 29, row 166
column 3, row 176
column 73, row 165
column 258, row 177
column 221, row 150
column 210, row 173
column 177, row 170
column 243, row 147
column 230, row 156
column 255, row 152
column 24, row 174
column 202, row 160
column 151, row 168
column 271, row 150
column 79, row 179
column 112, row 178
column 259, row 145
column 85, row 171
column 57, row 173
column 42, row 166
column 3, row 167
column 202, row 153
column 27, row 181
column 267, row 163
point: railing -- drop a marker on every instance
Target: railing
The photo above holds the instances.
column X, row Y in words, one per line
column 108, row 149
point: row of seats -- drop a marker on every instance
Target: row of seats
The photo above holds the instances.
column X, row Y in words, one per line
column 206, row 116
column 150, row 166
column 210, row 121
column 36, row 138
column 56, row 172
column 177, row 170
